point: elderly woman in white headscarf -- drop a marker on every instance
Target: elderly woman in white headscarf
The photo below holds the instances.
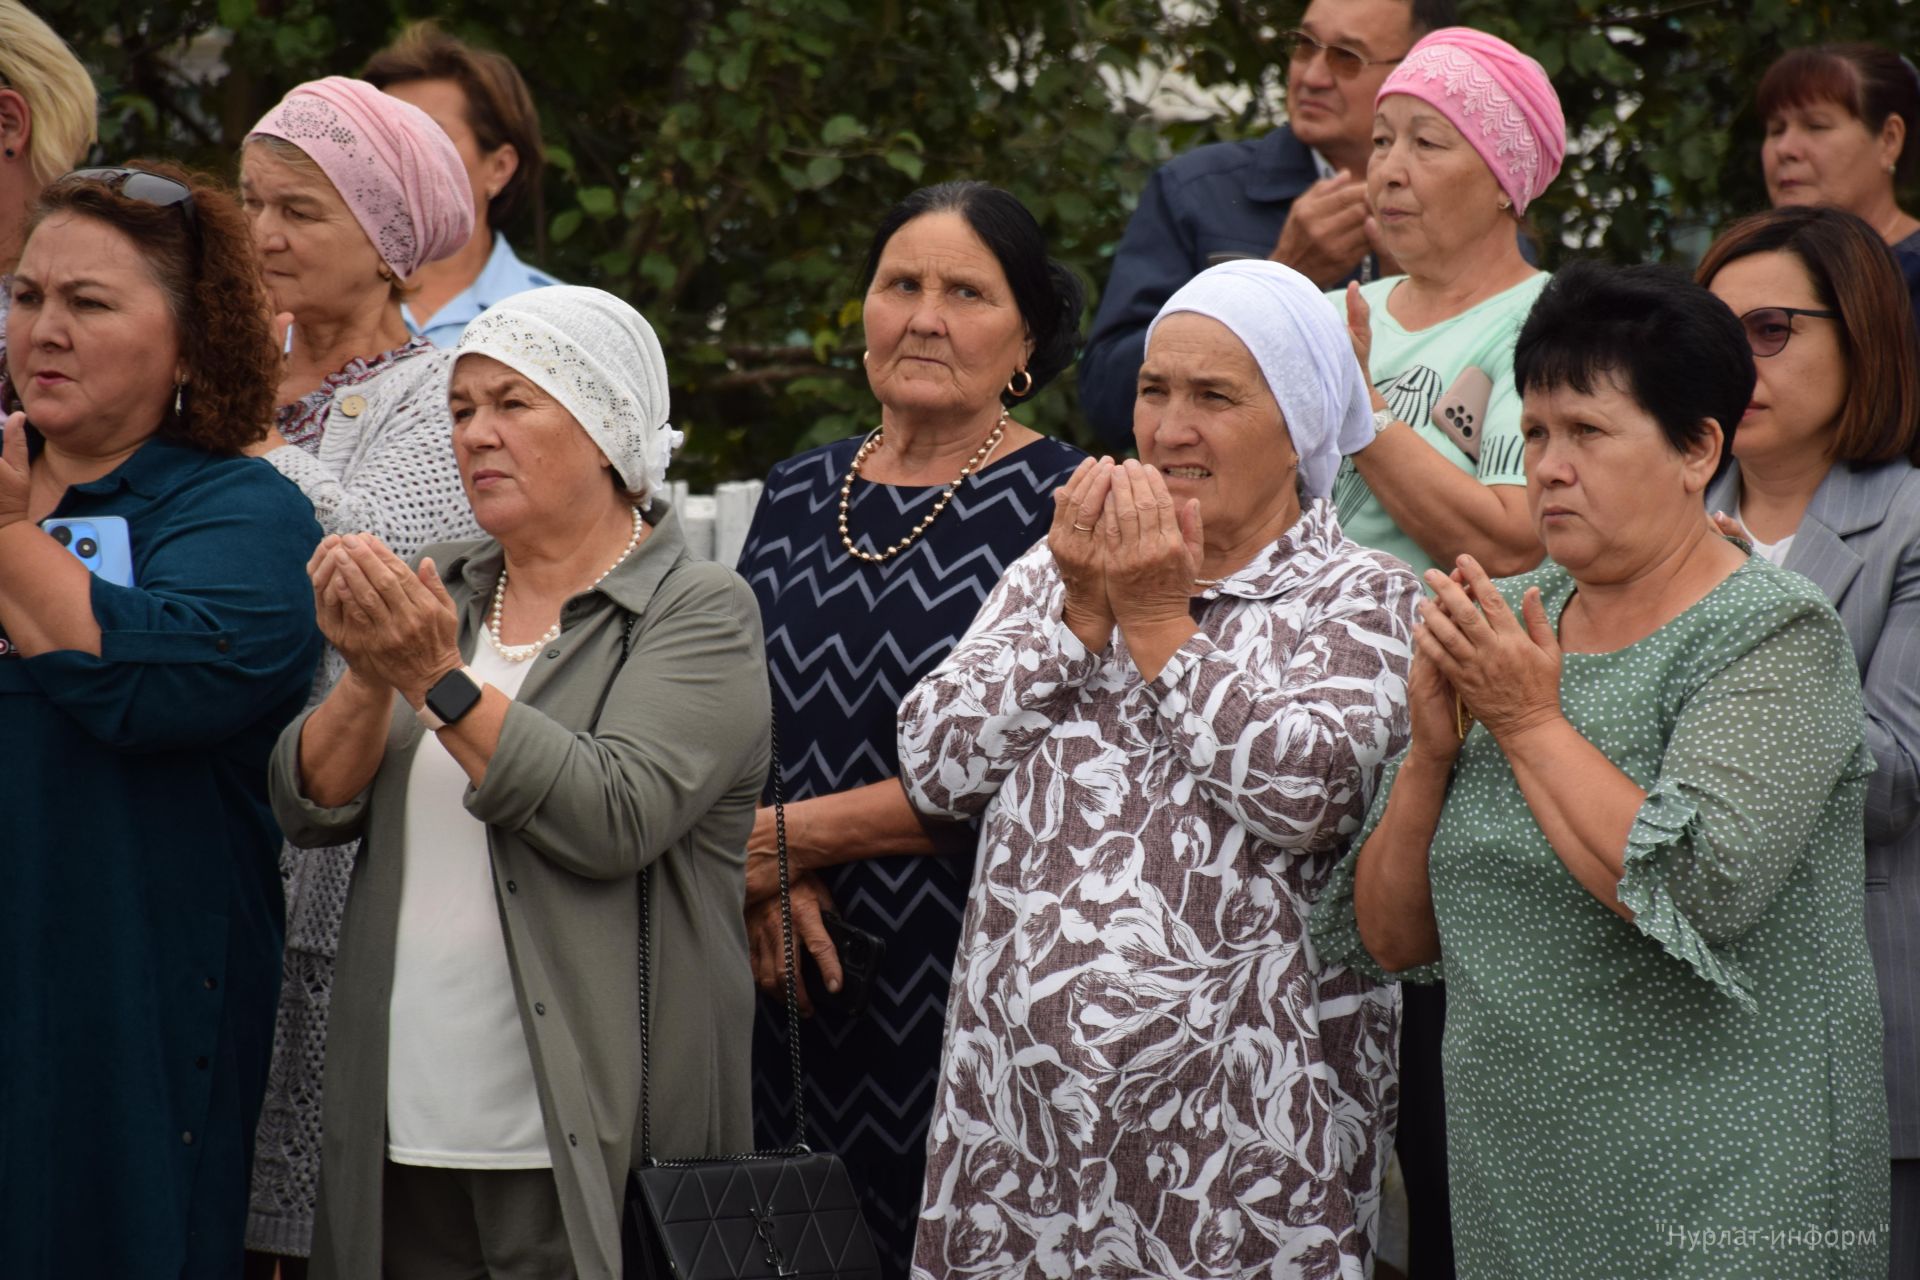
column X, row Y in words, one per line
column 1172, row 714
column 528, row 724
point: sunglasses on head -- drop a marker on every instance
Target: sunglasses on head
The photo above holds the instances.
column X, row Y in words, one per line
column 1769, row 328
column 138, row 184
column 1343, row 62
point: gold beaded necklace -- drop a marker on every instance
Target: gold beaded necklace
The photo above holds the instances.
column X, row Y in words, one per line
column 871, row 443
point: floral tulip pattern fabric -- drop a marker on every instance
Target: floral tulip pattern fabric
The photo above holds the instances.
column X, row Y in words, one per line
column 1145, row 1070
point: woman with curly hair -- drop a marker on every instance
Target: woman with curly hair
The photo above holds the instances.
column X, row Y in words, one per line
column 138, row 706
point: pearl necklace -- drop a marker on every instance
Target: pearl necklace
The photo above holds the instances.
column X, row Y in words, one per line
column 872, row 442
column 522, row 652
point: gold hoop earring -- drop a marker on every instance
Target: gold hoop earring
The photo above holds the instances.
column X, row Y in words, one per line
column 1017, row 392
column 1505, row 203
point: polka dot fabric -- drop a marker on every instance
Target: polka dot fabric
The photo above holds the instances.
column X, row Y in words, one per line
column 1695, row 1092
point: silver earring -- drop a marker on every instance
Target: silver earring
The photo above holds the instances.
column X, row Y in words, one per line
column 179, row 391
column 1505, row 203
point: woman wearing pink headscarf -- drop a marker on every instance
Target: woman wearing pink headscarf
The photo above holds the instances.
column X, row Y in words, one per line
column 1467, row 132
column 349, row 191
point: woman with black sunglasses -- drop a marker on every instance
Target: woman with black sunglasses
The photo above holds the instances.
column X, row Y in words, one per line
column 139, row 702
column 1825, row 484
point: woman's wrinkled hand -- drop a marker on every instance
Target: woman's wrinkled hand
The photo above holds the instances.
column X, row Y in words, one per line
column 1360, row 331
column 1505, row 668
column 396, row 627
column 1153, row 549
column 767, row 948
column 15, row 474
column 1433, row 703
column 763, row 856
column 1079, row 554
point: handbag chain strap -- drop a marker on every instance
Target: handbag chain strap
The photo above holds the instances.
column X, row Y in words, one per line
column 799, row 1144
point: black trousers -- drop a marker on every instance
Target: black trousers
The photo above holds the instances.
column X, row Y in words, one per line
column 1422, row 1138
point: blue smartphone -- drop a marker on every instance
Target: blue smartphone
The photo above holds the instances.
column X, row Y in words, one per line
column 98, row 542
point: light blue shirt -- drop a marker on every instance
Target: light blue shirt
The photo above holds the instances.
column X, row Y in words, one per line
column 502, row 277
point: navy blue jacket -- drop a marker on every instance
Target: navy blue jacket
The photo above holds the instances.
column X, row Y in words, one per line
column 141, row 920
column 1230, row 198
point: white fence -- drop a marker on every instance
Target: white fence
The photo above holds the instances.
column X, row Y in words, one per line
column 716, row 523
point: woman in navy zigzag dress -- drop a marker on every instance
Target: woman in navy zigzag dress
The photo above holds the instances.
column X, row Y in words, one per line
column 965, row 316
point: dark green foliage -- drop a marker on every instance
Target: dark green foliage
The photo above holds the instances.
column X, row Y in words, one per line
column 721, row 164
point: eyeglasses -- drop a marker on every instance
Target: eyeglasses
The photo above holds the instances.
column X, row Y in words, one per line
column 138, row 184
column 1341, row 61
column 1768, row 328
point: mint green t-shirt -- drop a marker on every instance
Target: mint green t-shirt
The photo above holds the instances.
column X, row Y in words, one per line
column 1460, row 372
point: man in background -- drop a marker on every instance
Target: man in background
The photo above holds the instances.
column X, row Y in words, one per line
column 1297, row 195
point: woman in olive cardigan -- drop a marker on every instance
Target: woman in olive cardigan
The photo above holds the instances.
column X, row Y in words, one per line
column 631, row 739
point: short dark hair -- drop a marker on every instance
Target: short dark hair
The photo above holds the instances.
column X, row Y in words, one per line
column 1432, row 15
column 1050, row 297
column 500, row 110
column 1870, row 82
column 1661, row 338
column 213, row 293
column 1854, row 273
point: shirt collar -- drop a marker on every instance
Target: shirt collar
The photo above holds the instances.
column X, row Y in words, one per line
column 1289, row 561
column 502, row 277
column 632, row 583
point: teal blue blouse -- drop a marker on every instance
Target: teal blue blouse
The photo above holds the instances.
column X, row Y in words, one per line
column 141, row 919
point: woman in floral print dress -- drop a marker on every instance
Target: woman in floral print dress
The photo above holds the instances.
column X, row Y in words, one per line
column 1173, row 713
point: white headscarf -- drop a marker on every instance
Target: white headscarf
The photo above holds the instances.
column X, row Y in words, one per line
column 600, row 359
column 1303, row 352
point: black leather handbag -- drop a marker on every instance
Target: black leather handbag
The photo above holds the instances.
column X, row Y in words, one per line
column 786, row 1212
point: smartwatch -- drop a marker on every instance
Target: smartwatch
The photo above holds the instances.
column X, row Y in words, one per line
column 452, row 696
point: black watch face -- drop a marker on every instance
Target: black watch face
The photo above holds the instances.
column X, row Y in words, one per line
column 452, row 696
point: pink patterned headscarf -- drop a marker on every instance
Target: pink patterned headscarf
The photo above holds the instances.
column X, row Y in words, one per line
column 396, row 169
column 1497, row 97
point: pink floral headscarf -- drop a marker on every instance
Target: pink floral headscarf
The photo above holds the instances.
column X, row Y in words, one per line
column 1497, row 97
column 396, row 169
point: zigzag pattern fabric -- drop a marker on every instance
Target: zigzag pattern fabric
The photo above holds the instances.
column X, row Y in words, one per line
column 845, row 642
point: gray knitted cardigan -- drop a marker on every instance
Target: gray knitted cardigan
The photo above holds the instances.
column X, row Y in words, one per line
column 383, row 465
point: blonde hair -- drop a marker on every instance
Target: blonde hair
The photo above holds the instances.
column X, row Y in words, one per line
column 36, row 64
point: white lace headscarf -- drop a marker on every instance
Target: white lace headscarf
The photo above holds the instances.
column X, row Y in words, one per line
column 1303, row 351
column 600, row 359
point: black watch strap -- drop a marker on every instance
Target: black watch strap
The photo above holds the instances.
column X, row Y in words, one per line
column 452, row 696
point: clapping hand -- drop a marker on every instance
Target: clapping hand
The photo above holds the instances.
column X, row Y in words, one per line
column 1078, row 553
column 397, row 628
column 1505, row 668
column 1153, row 548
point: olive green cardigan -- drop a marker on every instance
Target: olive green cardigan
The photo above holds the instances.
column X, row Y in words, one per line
column 668, row 776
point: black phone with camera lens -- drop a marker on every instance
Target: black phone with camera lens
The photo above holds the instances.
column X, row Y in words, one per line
column 860, row 955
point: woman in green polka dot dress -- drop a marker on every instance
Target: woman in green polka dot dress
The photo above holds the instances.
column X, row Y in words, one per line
column 1629, row 832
